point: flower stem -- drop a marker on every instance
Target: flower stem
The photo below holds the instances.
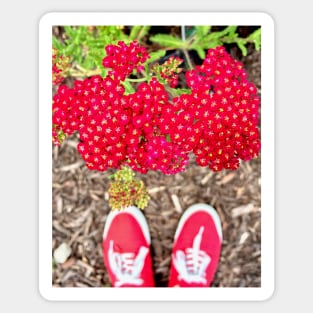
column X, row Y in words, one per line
column 143, row 79
column 81, row 72
column 186, row 54
column 183, row 36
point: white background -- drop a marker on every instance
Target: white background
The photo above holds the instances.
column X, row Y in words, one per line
column 19, row 153
column 45, row 162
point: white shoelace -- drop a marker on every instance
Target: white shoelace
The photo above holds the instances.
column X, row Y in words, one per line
column 126, row 266
column 192, row 263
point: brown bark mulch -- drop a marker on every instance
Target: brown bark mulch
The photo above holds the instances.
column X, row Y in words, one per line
column 80, row 207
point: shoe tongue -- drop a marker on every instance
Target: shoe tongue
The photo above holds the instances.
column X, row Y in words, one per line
column 117, row 248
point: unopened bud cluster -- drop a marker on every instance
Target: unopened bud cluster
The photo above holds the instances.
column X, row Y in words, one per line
column 60, row 67
column 125, row 190
column 169, row 70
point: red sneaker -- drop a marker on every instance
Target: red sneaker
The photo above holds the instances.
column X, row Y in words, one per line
column 126, row 249
column 196, row 248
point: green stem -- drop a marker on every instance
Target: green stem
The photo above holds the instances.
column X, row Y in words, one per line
column 187, row 43
column 81, row 72
column 171, row 91
column 143, row 79
column 228, row 39
column 188, row 59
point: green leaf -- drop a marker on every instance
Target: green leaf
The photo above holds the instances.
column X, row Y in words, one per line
column 104, row 72
column 213, row 36
column 210, row 41
column 255, row 37
column 137, row 32
column 214, row 39
column 70, row 50
column 242, row 47
column 69, row 31
column 97, row 43
column 180, row 91
column 88, row 63
column 134, row 31
column 202, row 30
column 156, row 55
column 168, row 41
column 96, row 54
column 56, row 43
column 231, row 30
column 79, row 54
column 143, row 31
column 208, row 44
column 128, row 87
column 200, row 51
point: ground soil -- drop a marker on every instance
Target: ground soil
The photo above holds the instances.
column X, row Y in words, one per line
column 80, row 207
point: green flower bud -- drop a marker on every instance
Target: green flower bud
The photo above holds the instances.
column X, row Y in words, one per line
column 125, row 190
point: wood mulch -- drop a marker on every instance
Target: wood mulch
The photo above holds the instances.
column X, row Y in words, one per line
column 80, row 207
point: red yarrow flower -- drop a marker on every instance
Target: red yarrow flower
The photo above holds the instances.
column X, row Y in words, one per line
column 146, row 130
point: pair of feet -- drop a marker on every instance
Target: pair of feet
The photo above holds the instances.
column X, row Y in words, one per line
column 195, row 253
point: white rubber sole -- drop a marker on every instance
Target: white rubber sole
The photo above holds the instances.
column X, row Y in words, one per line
column 133, row 211
column 198, row 208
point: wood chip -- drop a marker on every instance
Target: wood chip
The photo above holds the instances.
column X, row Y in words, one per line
column 88, row 225
column 156, row 189
column 165, row 262
column 93, row 196
column 227, row 178
column 69, row 274
column 75, row 236
column 83, row 285
column 106, row 196
column 243, row 238
column 55, row 152
column 59, row 201
column 206, row 178
column 166, row 213
column 69, row 263
column 239, row 192
column 89, row 269
column 71, row 143
column 243, row 210
column 80, row 219
column 60, row 228
column 70, row 167
column 176, row 203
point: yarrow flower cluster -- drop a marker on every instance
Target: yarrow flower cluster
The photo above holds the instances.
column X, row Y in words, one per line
column 169, row 70
column 123, row 59
column 125, row 190
column 60, row 65
column 147, row 130
column 226, row 106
